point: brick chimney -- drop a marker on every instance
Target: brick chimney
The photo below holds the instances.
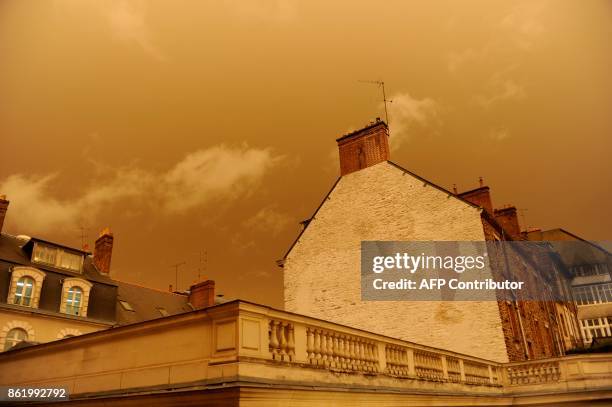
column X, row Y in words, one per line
column 480, row 197
column 364, row 148
column 3, row 208
column 202, row 294
column 508, row 219
column 103, row 251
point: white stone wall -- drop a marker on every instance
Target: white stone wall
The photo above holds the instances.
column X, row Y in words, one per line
column 322, row 271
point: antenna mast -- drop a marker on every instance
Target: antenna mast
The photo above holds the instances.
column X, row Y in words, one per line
column 203, row 263
column 381, row 85
column 176, row 267
column 82, row 235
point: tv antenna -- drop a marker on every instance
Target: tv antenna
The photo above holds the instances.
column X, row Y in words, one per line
column 176, row 270
column 83, row 235
column 203, row 263
column 381, row 85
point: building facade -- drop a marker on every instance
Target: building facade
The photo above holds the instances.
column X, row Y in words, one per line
column 590, row 266
column 375, row 199
column 50, row 291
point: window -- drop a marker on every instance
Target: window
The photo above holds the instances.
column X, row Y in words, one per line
column 24, row 290
column 70, row 261
column 44, row 254
column 57, row 257
column 68, row 333
column 73, row 300
column 14, row 336
column 75, row 296
column 593, row 294
column 596, row 328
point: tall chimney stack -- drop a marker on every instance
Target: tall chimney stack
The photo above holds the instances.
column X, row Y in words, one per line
column 364, row 148
column 202, row 295
column 508, row 219
column 479, row 197
column 103, row 251
column 3, row 208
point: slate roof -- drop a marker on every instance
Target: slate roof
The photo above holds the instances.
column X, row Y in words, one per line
column 145, row 303
column 18, row 251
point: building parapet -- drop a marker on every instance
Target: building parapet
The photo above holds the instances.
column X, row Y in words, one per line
column 245, row 345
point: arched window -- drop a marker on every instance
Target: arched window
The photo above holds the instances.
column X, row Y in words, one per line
column 24, row 290
column 74, row 300
column 14, row 336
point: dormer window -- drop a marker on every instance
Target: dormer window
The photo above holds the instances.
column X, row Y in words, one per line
column 24, row 291
column 26, row 286
column 57, row 257
column 75, row 296
column 74, row 300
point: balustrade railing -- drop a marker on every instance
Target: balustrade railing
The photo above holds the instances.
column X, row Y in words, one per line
column 534, row 372
column 453, row 369
column 428, row 365
column 353, row 351
column 341, row 351
column 282, row 340
column 476, row 373
column 398, row 363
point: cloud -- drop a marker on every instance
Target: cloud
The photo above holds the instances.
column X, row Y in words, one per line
column 268, row 220
column 501, row 90
column 524, row 21
column 127, row 22
column 499, row 134
column 201, row 178
column 406, row 112
column 219, row 172
column 455, row 60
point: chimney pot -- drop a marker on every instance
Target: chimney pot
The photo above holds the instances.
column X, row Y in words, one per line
column 364, row 148
column 103, row 251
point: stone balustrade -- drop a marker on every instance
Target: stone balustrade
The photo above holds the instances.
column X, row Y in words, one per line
column 533, row 372
column 340, row 351
column 235, row 343
column 299, row 339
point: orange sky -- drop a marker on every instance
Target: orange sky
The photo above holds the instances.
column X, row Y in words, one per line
column 210, row 125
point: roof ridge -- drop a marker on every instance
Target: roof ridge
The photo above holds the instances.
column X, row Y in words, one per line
column 148, row 288
column 441, row 188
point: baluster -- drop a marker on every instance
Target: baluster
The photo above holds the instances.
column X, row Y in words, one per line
column 341, row 354
column 273, row 339
column 324, row 352
column 370, row 356
column 375, row 357
column 351, row 354
column 290, row 342
column 310, row 345
column 317, row 346
column 282, row 340
column 363, row 356
column 330, row 350
column 334, row 347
